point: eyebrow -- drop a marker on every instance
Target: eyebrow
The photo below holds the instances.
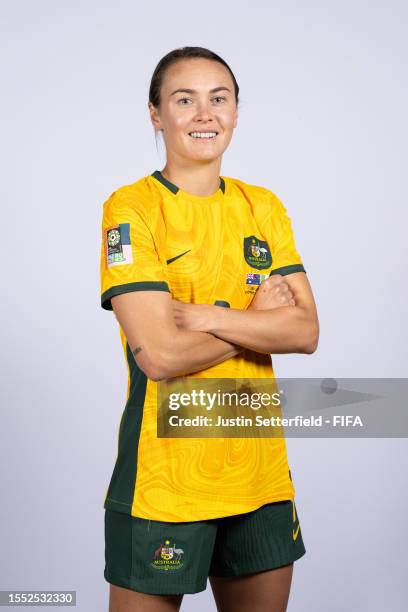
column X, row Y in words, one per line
column 193, row 91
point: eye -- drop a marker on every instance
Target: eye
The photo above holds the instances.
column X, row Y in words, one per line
column 219, row 98
column 181, row 100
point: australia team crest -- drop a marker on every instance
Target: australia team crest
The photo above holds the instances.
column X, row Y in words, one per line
column 168, row 556
column 257, row 253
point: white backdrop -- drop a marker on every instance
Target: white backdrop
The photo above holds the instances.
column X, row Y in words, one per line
column 323, row 89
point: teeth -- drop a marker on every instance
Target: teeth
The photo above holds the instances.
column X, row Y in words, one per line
column 203, row 134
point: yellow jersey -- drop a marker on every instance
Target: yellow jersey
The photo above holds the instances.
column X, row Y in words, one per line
column 214, row 249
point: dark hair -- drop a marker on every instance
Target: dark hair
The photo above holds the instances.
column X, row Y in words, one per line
column 179, row 54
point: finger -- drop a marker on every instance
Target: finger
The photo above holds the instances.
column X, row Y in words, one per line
column 273, row 280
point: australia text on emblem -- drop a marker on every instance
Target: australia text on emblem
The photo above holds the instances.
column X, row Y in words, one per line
column 168, row 556
column 257, row 253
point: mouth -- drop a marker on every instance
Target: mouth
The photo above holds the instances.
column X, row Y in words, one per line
column 205, row 135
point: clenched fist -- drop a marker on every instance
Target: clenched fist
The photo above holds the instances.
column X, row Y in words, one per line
column 273, row 292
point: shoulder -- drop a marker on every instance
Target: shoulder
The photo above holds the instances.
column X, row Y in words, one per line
column 256, row 195
column 139, row 197
column 241, row 188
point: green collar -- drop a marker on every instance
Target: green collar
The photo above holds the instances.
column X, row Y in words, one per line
column 172, row 187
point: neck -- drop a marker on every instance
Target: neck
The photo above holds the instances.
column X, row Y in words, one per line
column 201, row 180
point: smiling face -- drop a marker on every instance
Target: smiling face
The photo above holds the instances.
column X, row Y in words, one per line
column 197, row 96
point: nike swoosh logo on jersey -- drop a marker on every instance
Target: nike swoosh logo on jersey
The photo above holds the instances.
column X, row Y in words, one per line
column 169, row 261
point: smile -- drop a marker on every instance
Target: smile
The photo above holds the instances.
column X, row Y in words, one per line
column 203, row 135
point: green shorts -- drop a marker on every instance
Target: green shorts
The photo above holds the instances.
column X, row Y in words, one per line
column 172, row 558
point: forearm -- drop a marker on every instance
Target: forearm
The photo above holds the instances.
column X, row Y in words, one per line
column 188, row 352
column 280, row 330
column 161, row 348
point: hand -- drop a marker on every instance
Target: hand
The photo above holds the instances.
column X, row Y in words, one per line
column 191, row 317
column 274, row 292
column 197, row 317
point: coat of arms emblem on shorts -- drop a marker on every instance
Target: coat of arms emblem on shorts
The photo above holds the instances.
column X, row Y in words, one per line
column 257, row 253
column 168, row 556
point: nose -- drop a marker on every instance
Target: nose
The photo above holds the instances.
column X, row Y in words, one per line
column 204, row 112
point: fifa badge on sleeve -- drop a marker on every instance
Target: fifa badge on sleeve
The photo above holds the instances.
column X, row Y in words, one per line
column 117, row 245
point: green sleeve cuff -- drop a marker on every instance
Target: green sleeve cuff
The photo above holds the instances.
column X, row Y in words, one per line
column 288, row 269
column 128, row 287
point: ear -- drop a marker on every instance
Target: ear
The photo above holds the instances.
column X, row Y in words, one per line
column 154, row 116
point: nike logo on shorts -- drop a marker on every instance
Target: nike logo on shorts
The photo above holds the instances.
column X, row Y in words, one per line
column 295, row 532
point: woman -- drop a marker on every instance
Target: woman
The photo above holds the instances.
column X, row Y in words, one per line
column 203, row 276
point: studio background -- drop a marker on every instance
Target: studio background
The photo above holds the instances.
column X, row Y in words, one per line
column 323, row 99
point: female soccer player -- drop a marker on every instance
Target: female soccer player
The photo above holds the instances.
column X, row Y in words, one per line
column 203, row 276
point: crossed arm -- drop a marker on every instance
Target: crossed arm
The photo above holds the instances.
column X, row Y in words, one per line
column 169, row 338
column 268, row 325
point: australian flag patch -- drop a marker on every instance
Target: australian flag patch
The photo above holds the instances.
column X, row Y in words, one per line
column 255, row 279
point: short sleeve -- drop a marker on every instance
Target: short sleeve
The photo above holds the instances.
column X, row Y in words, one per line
column 285, row 257
column 130, row 259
